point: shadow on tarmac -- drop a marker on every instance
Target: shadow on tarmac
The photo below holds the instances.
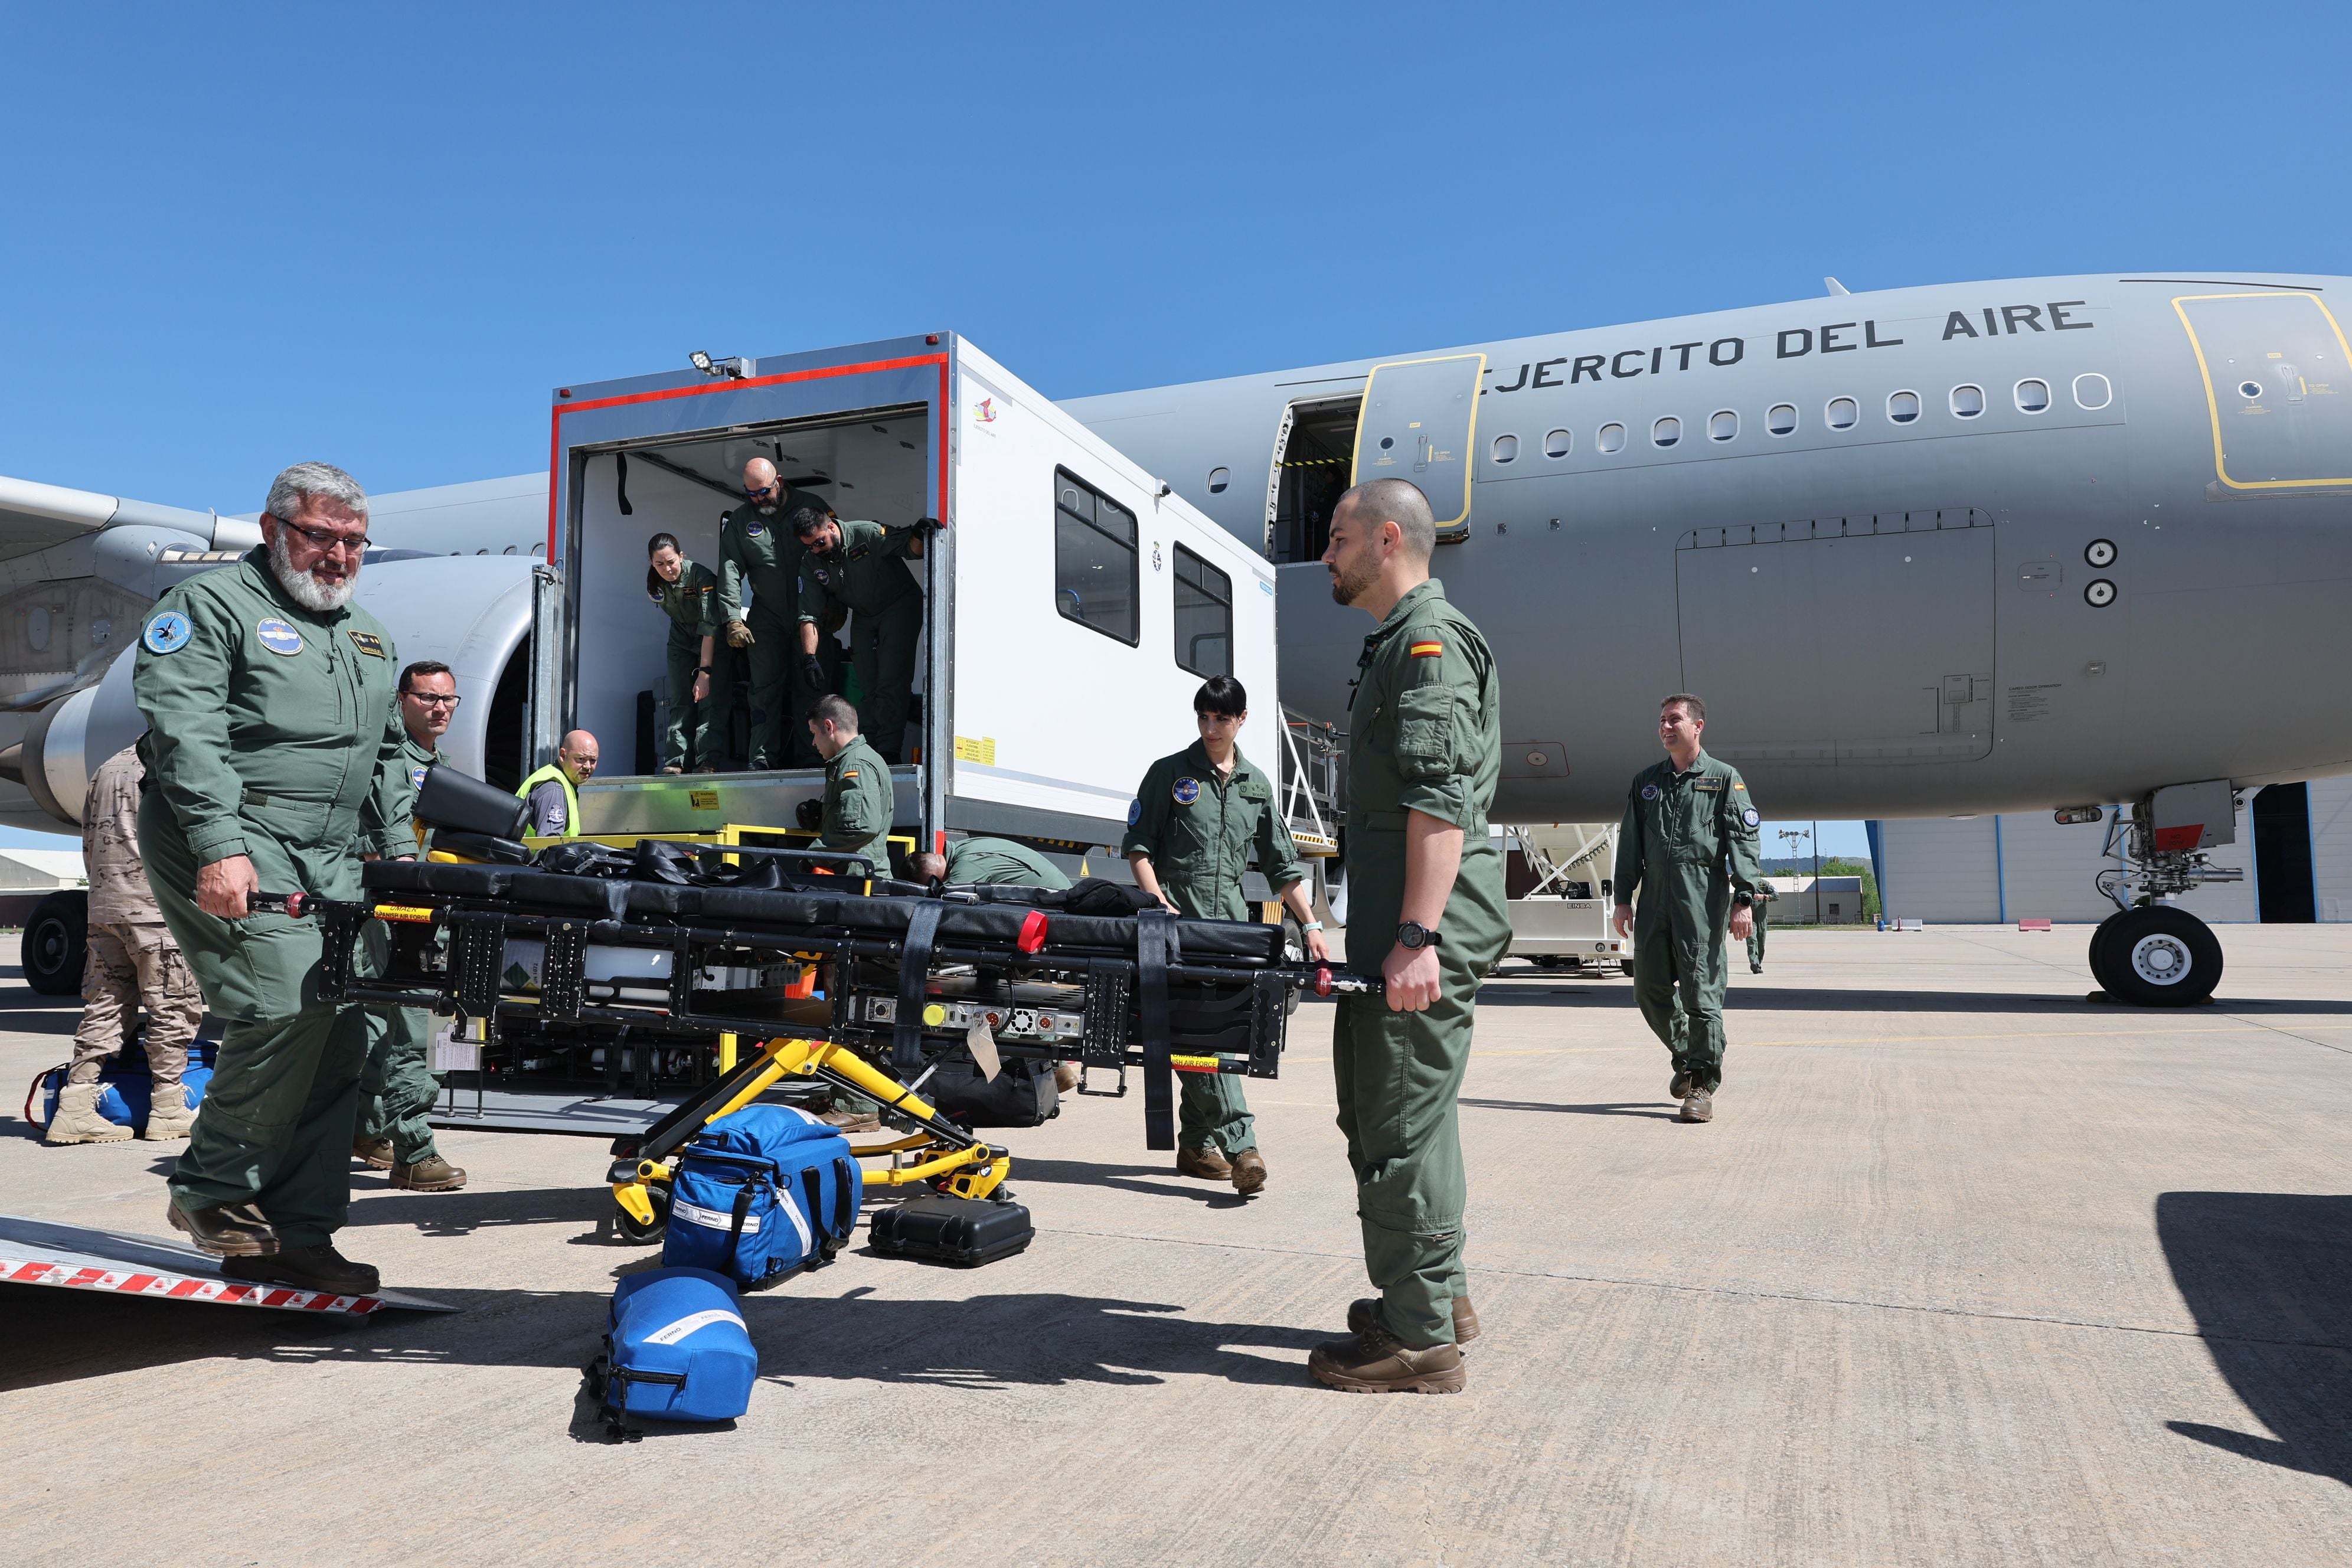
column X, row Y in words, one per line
column 2268, row 1276
column 806, row 1328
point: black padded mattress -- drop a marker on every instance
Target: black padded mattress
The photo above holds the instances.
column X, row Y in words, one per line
column 990, row 924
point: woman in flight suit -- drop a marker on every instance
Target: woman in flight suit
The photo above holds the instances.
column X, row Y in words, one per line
column 685, row 593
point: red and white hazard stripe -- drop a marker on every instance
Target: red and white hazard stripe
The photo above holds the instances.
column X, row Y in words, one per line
column 179, row 1287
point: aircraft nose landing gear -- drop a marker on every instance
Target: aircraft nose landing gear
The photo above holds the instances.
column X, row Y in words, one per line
column 2150, row 953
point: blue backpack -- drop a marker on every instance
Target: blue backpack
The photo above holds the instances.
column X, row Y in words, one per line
column 675, row 1350
column 761, row 1193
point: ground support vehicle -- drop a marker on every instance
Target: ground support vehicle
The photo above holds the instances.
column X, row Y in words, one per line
column 1561, row 918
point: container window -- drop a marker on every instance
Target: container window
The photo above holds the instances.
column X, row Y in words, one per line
column 1781, row 418
column 1559, row 444
column 1507, row 448
column 1843, row 412
column 1968, row 401
column 1218, row 480
column 1204, row 617
column 2092, row 391
column 1667, row 431
column 1903, row 407
column 1613, row 438
column 2034, row 396
column 1722, row 424
column 1095, row 565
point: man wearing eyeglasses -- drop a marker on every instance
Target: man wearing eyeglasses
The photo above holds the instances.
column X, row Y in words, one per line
column 397, row 1087
column 756, row 547
column 273, row 757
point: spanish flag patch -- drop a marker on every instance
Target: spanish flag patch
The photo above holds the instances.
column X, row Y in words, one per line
column 1428, row 649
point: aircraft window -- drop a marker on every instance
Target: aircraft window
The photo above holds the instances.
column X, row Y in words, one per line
column 1968, row 401
column 2092, row 391
column 1204, row 617
column 1507, row 448
column 1559, row 444
column 2034, row 396
column 1094, row 566
column 1218, row 480
column 2249, row 390
column 1903, row 407
column 1667, row 431
column 1613, row 438
column 1781, row 418
column 1843, row 412
column 1722, row 426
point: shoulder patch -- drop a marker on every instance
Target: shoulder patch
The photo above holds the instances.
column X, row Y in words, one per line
column 1187, row 791
column 166, row 633
column 278, row 636
column 1134, row 812
column 1649, row 791
column 367, row 643
column 416, row 777
column 848, row 773
column 1749, row 816
column 753, row 527
column 1427, row 647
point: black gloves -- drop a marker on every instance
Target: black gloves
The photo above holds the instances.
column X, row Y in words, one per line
column 927, row 525
column 812, row 672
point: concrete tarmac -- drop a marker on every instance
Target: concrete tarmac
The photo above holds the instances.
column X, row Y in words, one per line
column 1967, row 1270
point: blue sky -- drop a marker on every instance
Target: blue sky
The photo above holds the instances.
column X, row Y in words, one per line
column 239, row 236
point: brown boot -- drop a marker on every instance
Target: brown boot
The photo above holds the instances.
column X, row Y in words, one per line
column 1376, row 1361
column 1249, row 1171
column 168, row 1115
column 846, row 1120
column 1204, row 1163
column 1066, row 1076
column 77, row 1120
column 1363, row 1314
column 376, row 1154
column 430, row 1174
column 1698, row 1105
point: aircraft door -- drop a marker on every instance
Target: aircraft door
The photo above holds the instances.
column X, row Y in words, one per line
column 2278, row 388
column 1418, row 421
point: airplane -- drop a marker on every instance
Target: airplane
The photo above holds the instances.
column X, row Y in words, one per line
column 2047, row 542
column 2041, row 543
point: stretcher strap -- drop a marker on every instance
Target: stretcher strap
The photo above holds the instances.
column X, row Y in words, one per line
column 1155, row 945
column 914, row 969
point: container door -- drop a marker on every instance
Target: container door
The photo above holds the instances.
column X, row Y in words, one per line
column 542, row 725
column 1419, row 418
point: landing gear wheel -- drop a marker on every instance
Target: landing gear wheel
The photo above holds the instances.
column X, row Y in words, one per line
column 55, row 943
column 631, row 1232
column 2156, row 956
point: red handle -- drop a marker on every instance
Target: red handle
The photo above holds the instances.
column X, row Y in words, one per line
column 1033, row 931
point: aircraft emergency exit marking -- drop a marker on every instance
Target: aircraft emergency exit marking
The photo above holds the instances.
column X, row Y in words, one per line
column 1790, row 343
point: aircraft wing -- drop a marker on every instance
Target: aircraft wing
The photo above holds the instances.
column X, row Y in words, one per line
column 35, row 516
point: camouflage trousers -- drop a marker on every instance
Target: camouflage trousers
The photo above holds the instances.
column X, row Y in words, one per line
column 129, row 965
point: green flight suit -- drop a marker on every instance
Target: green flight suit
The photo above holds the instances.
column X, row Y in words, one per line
column 272, row 734
column 1679, row 831
column 1200, row 828
column 397, row 1085
column 686, row 740
column 1000, row 862
column 757, row 547
column 1755, row 937
column 1425, row 734
column 859, row 801
column 864, row 576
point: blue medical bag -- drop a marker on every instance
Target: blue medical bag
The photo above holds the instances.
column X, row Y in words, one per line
column 759, row 1194
column 675, row 1350
column 125, row 1086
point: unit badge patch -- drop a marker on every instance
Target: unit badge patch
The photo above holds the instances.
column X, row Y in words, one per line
column 416, row 777
column 368, row 643
column 1749, row 816
column 278, row 636
column 753, row 527
column 819, row 573
column 1649, row 791
column 167, row 632
column 1134, row 812
column 1187, row 791
column 1429, row 649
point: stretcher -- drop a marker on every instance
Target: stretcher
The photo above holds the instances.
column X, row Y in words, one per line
column 841, row 977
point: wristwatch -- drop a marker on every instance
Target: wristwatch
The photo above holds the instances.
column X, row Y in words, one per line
column 702, row 670
column 1414, row 935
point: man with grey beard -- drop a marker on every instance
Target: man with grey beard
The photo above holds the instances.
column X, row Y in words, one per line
column 274, row 763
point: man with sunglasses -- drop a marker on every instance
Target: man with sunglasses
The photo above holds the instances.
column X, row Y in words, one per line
column 397, row 1088
column 755, row 546
column 273, row 757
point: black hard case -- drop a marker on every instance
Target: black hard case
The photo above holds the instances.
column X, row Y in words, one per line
column 963, row 1231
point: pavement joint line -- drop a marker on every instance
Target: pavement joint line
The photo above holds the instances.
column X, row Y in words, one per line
column 2252, row 1024
column 2291, row 1034
column 1759, row 1295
